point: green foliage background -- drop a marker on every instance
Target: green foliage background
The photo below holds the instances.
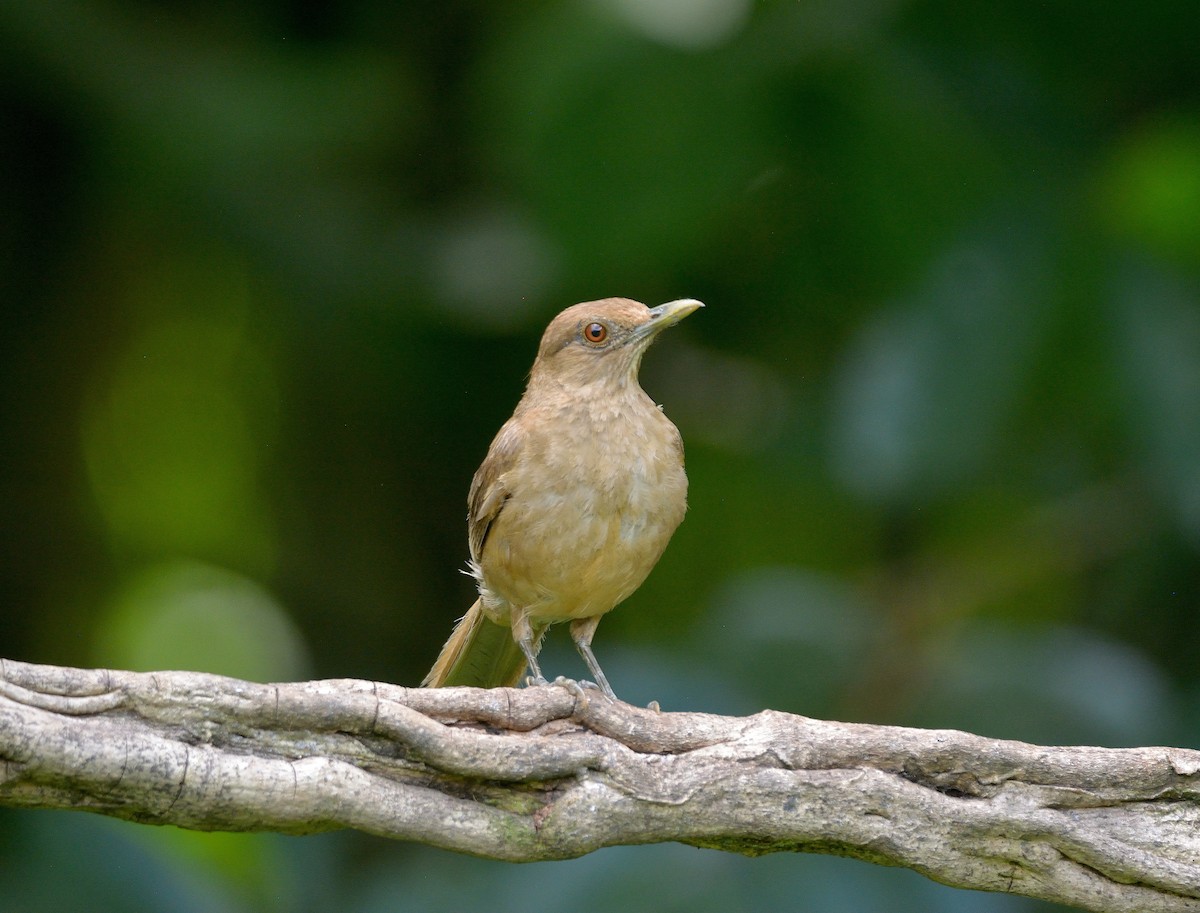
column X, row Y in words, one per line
column 273, row 272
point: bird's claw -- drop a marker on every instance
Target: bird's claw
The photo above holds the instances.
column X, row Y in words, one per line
column 577, row 689
column 532, row 680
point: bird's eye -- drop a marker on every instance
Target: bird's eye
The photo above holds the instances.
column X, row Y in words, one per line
column 595, row 333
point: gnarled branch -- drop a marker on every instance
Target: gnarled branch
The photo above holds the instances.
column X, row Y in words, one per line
column 552, row 773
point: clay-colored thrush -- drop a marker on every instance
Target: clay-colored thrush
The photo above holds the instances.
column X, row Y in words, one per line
column 576, row 499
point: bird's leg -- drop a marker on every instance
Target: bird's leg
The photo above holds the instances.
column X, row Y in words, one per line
column 522, row 632
column 582, row 630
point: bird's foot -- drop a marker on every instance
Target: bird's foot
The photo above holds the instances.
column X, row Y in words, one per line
column 602, row 687
column 532, row 680
column 653, row 706
column 577, row 689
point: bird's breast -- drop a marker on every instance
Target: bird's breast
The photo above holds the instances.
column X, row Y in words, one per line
column 592, row 507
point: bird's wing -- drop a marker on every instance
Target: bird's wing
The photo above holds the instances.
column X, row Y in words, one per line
column 489, row 490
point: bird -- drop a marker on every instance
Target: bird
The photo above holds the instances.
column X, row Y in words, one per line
column 576, row 500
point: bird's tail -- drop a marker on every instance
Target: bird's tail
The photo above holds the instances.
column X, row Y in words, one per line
column 480, row 653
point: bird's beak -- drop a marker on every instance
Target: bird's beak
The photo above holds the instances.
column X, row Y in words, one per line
column 667, row 315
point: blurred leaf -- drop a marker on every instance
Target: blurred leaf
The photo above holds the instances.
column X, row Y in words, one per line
column 1050, row 686
column 695, row 24
column 176, row 430
column 491, row 266
column 57, row 860
column 1158, row 346
column 923, row 393
column 795, row 639
column 186, row 615
column 623, row 878
column 625, row 170
column 1151, row 189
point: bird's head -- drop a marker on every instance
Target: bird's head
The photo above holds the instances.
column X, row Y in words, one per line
column 603, row 341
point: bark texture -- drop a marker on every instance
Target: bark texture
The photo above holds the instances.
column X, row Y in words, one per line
column 555, row 772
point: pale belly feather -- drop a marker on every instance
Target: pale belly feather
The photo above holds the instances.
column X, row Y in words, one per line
column 583, row 538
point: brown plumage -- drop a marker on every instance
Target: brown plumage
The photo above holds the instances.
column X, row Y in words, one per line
column 576, row 499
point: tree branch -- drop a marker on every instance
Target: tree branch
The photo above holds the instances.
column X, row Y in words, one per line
column 548, row 773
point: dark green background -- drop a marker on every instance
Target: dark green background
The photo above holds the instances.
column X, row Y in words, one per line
column 272, row 274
